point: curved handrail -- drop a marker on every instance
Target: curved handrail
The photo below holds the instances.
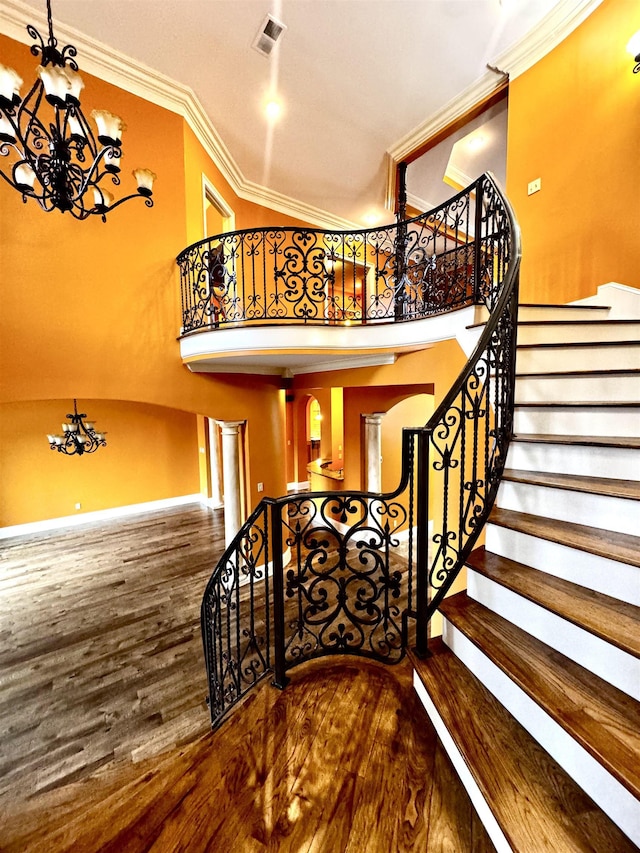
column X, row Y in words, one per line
column 334, row 572
column 409, row 270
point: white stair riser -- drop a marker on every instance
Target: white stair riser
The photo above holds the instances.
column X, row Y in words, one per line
column 600, row 574
column 618, row 463
column 612, row 797
column 546, row 359
column 546, row 313
column 602, row 511
column 597, row 387
column 610, row 663
column 568, row 333
column 583, row 420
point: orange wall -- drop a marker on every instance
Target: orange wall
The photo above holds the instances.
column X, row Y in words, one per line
column 414, row 411
column 92, row 310
column 377, row 389
column 573, row 122
column 149, row 456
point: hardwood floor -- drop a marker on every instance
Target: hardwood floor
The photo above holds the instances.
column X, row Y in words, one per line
column 105, row 733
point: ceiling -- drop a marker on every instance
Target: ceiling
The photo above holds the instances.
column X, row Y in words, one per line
column 356, row 78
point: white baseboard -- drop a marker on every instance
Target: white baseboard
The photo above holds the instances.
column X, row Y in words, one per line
column 98, row 515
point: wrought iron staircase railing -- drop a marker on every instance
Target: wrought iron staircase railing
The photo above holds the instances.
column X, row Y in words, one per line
column 406, row 271
column 333, row 572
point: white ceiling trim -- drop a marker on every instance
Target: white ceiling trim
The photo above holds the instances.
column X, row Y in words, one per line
column 120, row 70
column 554, row 28
column 562, row 20
column 141, row 80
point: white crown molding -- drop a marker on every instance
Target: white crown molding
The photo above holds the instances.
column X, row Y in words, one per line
column 560, row 22
column 459, row 178
column 554, row 28
column 454, row 109
column 418, row 203
column 120, row 70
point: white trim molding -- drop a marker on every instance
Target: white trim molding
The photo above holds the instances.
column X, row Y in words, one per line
column 98, row 515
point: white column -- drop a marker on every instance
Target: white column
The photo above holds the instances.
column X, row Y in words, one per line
column 231, row 477
column 373, row 451
column 215, row 466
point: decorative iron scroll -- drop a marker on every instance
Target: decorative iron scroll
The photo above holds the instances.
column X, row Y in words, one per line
column 343, row 591
column 404, row 271
column 359, row 573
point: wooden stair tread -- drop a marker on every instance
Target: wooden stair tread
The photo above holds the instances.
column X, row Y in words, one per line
column 583, row 440
column 581, row 404
column 604, row 720
column 621, row 547
column 609, row 487
column 585, row 308
column 581, row 344
column 564, row 305
column 539, row 808
column 587, row 322
column 627, row 371
column 612, row 620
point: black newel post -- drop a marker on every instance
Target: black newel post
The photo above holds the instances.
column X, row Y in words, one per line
column 477, row 259
column 280, row 679
column 401, row 242
column 422, row 545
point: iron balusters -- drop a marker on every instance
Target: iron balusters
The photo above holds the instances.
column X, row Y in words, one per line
column 361, row 573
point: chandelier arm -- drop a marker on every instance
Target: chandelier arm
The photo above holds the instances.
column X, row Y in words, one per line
column 34, row 127
column 147, row 200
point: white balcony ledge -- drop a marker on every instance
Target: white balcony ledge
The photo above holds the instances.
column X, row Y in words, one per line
column 287, row 349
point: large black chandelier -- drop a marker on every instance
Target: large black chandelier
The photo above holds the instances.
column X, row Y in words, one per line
column 78, row 436
column 56, row 157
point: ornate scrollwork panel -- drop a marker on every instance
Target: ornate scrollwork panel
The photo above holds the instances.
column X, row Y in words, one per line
column 341, row 593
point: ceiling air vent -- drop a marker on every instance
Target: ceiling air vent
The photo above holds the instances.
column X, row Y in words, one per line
column 268, row 35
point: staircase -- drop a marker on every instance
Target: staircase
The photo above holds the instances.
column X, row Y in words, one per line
column 534, row 688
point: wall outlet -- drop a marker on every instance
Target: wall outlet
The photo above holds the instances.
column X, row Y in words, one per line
column 261, row 487
column 534, row 186
column 78, row 506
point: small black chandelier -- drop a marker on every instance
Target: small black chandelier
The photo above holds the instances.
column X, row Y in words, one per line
column 56, row 158
column 77, row 437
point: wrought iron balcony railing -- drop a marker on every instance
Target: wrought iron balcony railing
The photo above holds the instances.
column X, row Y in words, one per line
column 406, row 271
column 361, row 573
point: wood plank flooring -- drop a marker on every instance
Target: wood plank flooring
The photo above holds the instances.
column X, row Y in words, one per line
column 105, row 741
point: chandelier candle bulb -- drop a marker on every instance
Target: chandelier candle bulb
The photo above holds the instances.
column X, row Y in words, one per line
column 103, row 198
column 6, row 130
column 110, row 127
column 112, row 160
column 76, row 85
column 56, row 84
column 24, row 176
column 10, row 82
column 77, row 132
column 145, row 179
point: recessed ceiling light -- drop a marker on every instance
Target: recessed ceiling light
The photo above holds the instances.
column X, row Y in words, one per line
column 474, row 143
column 372, row 218
column 273, row 110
